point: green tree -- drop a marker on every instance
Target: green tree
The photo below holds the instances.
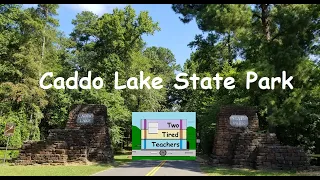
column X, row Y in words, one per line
column 267, row 39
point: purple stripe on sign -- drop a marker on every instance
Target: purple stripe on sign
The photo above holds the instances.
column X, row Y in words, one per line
column 164, row 124
column 145, row 135
column 181, row 133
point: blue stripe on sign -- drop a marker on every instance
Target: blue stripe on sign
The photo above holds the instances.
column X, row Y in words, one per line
column 180, row 143
column 164, row 144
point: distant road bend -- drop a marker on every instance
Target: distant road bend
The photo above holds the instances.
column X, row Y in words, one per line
column 155, row 168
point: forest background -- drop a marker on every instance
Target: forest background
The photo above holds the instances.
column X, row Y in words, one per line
column 264, row 38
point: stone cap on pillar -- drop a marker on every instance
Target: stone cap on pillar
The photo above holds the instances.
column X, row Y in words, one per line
column 238, row 110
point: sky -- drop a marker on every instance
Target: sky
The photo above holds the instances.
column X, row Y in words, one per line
column 174, row 34
column 189, row 116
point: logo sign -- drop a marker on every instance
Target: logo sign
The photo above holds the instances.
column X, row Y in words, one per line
column 9, row 129
column 239, row 121
column 85, row 118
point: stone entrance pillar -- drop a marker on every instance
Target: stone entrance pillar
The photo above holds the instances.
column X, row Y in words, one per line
column 237, row 143
column 92, row 119
column 86, row 137
column 227, row 132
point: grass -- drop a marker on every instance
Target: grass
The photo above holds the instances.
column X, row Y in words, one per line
column 226, row 171
column 122, row 159
column 68, row 170
column 52, row 170
column 86, row 170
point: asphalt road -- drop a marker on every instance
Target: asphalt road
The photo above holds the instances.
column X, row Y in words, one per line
column 155, row 168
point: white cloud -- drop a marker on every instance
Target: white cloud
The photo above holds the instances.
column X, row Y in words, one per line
column 98, row 9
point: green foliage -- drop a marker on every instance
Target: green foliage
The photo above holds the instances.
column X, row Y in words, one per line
column 10, row 154
column 266, row 39
column 31, row 44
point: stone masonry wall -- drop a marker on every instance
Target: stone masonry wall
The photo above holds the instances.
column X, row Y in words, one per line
column 226, row 136
column 282, row 158
column 75, row 139
column 76, row 143
column 245, row 147
column 97, row 134
column 42, row 152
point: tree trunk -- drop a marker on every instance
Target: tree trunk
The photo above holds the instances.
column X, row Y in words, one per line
column 43, row 45
column 44, row 30
column 138, row 103
column 229, row 49
column 265, row 20
column 31, row 131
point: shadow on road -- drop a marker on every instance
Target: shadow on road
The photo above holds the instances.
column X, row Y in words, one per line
column 184, row 165
column 137, row 164
column 175, row 164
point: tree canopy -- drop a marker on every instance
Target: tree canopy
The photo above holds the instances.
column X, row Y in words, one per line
column 264, row 38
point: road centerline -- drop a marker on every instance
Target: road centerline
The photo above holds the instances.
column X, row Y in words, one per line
column 155, row 169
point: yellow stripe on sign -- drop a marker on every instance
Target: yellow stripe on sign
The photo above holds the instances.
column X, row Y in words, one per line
column 165, row 134
column 155, row 169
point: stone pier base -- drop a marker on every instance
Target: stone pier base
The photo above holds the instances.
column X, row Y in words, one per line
column 245, row 147
column 85, row 138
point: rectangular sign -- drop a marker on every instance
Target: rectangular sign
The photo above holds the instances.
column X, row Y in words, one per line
column 150, row 144
column 85, row 118
column 9, row 129
column 164, row 136
column 164, row 123
column 239, row 121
